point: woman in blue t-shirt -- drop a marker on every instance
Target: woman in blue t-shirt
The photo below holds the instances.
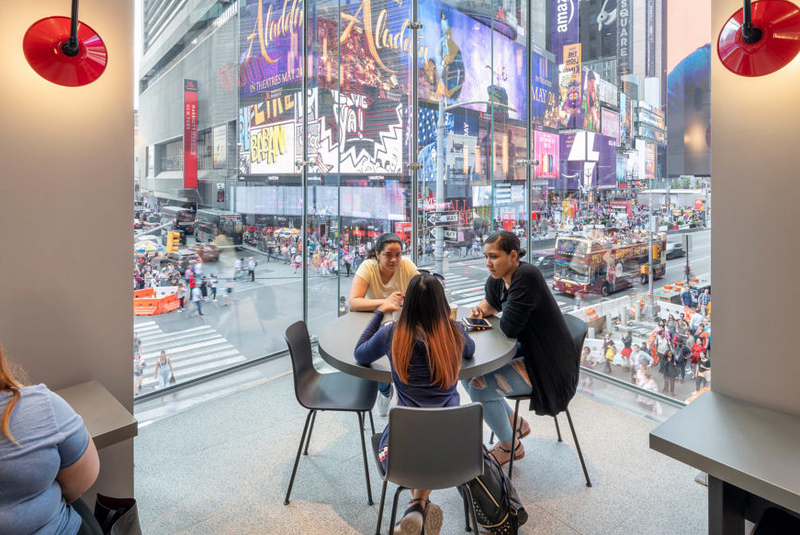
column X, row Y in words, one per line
column 425, row 348
column 47, row 460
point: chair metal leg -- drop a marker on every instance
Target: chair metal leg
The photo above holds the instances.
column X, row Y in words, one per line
column 558, row 429
column 513, row 437
column 380, row 508
column 310, row 430
column 364, row 453
column 578, row 447
column 472, row 509
column 297, row 459
column 394, row 508
column 491, row 438
column 371, row 422
column 466, row 509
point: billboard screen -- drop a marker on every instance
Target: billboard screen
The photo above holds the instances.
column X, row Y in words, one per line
column 609, row 121
column 462, row 60
column 544, row 91
column 546, row 147
column 270, row 45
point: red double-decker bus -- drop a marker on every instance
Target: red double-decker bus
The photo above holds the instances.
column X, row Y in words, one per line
column 606, row 264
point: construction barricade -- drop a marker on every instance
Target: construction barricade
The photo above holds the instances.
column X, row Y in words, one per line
column 147, row 303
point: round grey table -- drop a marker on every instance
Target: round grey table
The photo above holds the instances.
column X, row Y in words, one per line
column 337, row 343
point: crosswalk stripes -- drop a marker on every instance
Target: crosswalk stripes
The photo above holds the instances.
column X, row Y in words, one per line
column 468, row 292
column 193, row 352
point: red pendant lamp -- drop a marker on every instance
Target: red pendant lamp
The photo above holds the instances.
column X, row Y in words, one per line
column 65, row 51
column 760, row 39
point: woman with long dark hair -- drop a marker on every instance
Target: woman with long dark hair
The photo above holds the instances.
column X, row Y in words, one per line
column 383, row 276
column 48, row 460
column 425, row 348
column 546, row 364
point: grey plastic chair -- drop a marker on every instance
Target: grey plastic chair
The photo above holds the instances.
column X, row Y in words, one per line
column 432, row 448
column 326, row 392
column 578, row 328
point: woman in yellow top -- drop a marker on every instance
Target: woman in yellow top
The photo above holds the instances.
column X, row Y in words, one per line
column 383, row 276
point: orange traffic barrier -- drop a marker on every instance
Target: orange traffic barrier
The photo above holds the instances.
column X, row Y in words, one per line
column 147, row 292
column 591, row 314
column 146, row 304
column 667, row 286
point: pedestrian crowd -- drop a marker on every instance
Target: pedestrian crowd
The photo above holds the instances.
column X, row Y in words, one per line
column 677, row 347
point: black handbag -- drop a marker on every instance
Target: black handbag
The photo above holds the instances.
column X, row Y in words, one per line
column 117, row 516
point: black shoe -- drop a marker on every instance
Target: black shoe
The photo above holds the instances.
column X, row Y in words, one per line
column 412, row 521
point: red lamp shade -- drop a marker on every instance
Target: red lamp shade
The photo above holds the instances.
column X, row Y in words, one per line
column 779, row 22
column 43, row 43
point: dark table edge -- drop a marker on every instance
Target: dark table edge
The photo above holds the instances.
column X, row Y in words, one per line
column 373, row 374
column 745, row 481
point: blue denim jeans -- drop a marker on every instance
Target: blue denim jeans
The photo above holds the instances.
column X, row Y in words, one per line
column 491, row 390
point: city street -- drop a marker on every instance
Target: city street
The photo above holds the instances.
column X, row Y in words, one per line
column 253, row 323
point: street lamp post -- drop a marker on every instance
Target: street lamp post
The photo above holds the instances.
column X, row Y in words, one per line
column 650, row 224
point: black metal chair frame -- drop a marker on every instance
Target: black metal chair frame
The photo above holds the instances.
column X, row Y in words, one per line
column 305, row 369
column 579, row 334
column 469, row 509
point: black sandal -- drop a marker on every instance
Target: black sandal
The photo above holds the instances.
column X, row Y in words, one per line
column 517, row 454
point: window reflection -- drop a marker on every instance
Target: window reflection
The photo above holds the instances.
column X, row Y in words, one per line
column 552, row 133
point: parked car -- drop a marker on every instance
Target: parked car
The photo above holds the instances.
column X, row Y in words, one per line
column 675, row 250
column 545, row 261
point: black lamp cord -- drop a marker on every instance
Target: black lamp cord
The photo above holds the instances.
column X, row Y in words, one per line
column 750, row 34
column 72, row 46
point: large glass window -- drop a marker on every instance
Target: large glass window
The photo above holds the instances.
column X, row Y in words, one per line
column 583, row 127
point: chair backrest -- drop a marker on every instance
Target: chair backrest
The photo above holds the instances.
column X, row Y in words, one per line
column 435, row 448
column 299, row 343
column 578, row 329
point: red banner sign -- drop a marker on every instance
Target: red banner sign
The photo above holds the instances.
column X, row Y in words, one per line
column 190, row 134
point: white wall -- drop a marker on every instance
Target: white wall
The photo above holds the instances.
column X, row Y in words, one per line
column 66, row 163
column 755, row 247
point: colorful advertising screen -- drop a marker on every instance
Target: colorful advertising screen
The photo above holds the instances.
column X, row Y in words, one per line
column 591, row 104
column 546, row 147
column 650, row 160
column 270, row 45
column 571, row 113
column 544, row 91
column 610, row 124
column 364, row 47
column 462, row 60
column 588, row 159
column 353, row 134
